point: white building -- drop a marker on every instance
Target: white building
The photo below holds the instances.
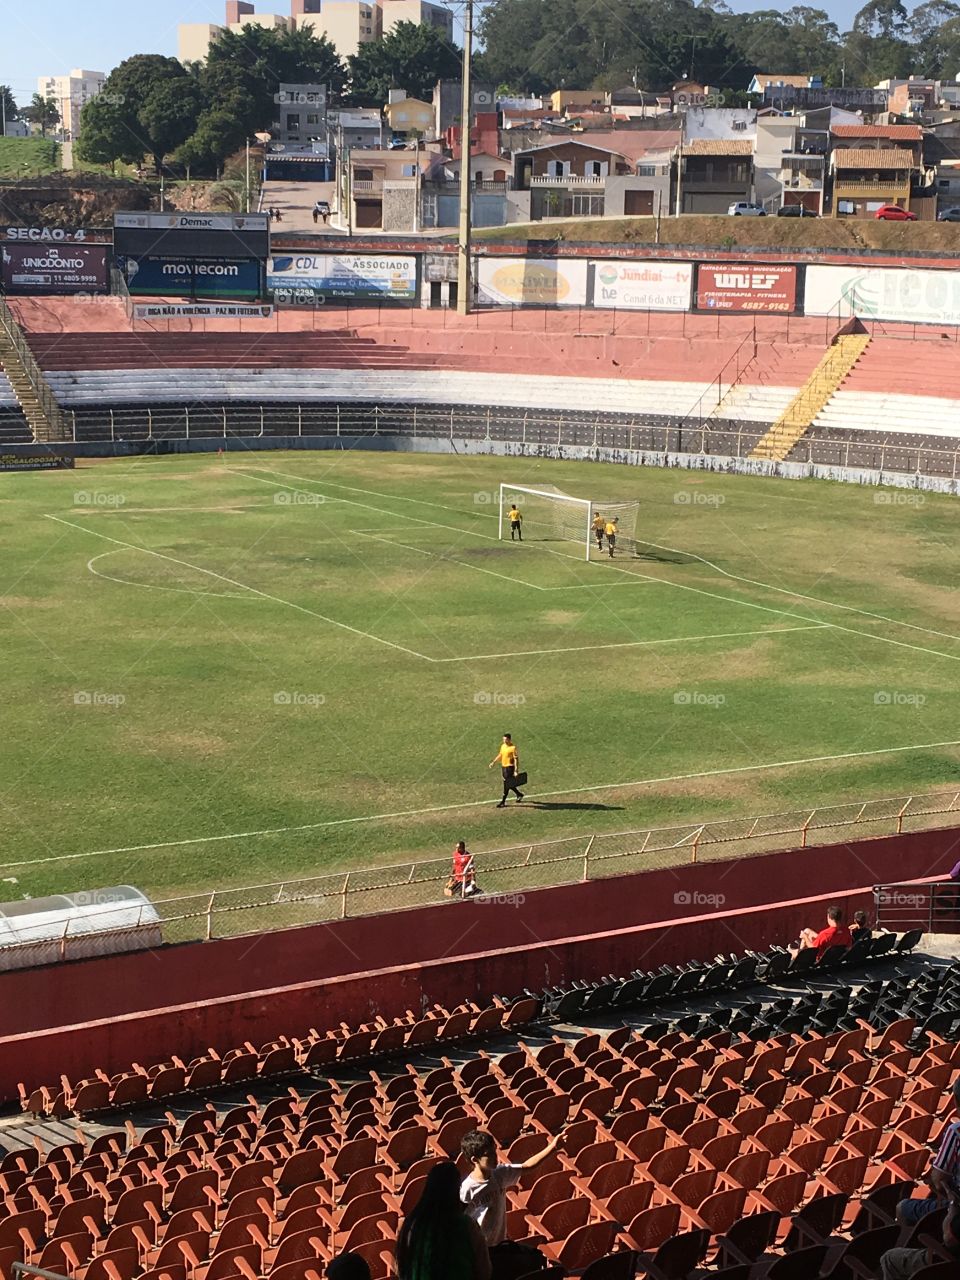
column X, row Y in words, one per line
column 71, row 93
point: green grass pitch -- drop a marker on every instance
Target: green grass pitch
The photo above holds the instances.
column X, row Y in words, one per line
column 277, row 665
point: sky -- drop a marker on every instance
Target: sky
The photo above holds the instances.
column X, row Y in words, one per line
column 50, row 37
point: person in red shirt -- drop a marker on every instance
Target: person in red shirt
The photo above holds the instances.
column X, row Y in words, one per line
column 463, row 880
column 836, row 934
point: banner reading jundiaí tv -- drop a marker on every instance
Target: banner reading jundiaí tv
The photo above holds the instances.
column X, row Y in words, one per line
column 883, row 293
column 535, row 282
column 642, row 286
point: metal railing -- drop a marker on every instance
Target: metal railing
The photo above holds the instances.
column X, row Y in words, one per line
column 506, row 874
column 41, row 388
column 933, row 906
column 729, row 377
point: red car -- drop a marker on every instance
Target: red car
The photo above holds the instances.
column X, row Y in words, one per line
column 893, row 213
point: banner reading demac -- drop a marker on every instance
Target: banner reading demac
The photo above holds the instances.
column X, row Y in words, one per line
column 884, row 293
column 192, row 235
column 534, row 282
column 54, row 268
column 307, row 278
column 639, row 285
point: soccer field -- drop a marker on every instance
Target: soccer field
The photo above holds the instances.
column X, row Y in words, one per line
column 281, row 664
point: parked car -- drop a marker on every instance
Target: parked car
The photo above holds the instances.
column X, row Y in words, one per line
column 949, row 215
column 796, row 211
column 893, row 213
column 746, row 209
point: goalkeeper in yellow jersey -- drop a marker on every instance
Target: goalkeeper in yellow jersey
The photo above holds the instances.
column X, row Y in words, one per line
column 599, row 524
column 611, row 532
column 516, row 522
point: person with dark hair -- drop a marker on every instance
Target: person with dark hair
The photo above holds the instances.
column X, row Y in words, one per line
column 348, row 1266
column 439, row 1240
column 509, row 759
column 860, row 930
column 836, row 934
column 484, row 1192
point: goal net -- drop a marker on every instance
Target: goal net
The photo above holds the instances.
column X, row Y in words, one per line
column 550, row 515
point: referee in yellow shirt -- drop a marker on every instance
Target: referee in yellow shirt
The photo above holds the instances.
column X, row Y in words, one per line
column 509, row 760
column 599, row 524
column 611, row 532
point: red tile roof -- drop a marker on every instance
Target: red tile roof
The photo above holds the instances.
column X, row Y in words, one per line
column 891, row 132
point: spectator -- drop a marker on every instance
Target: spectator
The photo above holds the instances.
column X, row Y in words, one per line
column 860, row 930
column 316, row 215
column 836, row 934
column 900, row 1264
column 463, row 877
column 944, row 1175
column 348, row 1266
column 439, row 1240
column 484, row 1192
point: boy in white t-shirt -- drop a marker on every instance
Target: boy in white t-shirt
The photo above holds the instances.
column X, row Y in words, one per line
column 484, row 1189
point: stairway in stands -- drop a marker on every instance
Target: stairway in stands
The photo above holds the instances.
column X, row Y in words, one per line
column 800, row 413
column 30, row 387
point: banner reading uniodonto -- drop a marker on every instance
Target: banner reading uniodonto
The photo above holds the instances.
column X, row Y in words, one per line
column 534, row 282
column 641, row 285
column 883, row 293
column 54, row 268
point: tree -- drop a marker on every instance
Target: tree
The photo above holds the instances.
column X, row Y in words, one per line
column 8, row 106
column 148, row 106
column 881, row 19
column 412, row 57
column 42, row 111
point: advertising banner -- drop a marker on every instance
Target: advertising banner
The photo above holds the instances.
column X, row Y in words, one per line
column 192, row 277
column 204, row 310
column 646, row 286
column 54, row 268
column 883, row 293
column 538, row 282
column 744, row 286
column 34, row 460
column 328, row 277
column 193, row 221
column 192, row 235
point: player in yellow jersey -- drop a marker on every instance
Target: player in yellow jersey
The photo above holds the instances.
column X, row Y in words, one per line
column 516, row 521
column 508, row 758
column 599, row 524
column 611, row 532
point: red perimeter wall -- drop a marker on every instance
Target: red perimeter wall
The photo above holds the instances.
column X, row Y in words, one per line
column 147, row 1005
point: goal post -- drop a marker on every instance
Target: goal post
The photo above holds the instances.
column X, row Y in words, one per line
column 548, row 514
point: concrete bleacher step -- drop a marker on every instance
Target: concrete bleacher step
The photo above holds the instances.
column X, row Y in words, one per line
column 802, row 411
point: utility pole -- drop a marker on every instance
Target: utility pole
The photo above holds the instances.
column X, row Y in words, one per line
column 463, row 248
column 416, row 189
column 246, row 206
column 679, row 205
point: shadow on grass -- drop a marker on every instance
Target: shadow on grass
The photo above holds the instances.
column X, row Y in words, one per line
column 574, row 804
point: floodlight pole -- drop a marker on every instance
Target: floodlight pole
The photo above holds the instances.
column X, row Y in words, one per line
column 463, row 246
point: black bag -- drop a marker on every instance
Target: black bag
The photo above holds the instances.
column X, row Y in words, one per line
column 520, row 779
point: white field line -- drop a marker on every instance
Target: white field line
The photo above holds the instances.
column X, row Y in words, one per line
column 479, row 804
column 152, row 586
column 130, row 546
column 637, row 644
column 796, row 595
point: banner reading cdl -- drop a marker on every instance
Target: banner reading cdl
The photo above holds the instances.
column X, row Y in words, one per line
column 309, row 278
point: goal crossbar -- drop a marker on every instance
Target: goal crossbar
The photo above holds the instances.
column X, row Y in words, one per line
column 579, row 509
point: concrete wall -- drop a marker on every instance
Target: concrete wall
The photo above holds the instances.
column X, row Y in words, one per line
column 108, row 1012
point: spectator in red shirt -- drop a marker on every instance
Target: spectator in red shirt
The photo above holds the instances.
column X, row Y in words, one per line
column 836, row 934
column 463, row 879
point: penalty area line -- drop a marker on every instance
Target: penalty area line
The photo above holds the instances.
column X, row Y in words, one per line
column 482, row 804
